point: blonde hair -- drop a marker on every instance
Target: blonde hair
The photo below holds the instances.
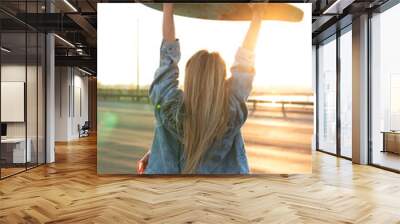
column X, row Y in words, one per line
column 205, row 104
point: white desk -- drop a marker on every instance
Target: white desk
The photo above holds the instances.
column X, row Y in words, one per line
column 19, row 149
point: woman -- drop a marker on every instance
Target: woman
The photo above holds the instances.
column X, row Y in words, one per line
column 198, row 129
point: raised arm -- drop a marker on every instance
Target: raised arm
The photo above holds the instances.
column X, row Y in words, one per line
column 164, row 92
column 168, row 22
column 250, row 40
column 243, row 68
column 165, row 83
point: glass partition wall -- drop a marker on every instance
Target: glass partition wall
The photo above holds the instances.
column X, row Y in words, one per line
column 334, row 90
column 345, row 61
column 13, row 89
column 22, row 78
column 334, row 93
column 327, row 95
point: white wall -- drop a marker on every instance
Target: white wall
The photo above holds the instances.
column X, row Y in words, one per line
column 62, row 82
column 81, row 83
column 71, row 94
column 13, row 100
column 16, row 73
column 389, row 66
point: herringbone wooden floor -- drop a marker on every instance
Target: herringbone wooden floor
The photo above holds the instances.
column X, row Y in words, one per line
column 70, row 191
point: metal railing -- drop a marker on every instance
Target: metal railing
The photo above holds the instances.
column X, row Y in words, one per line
column 142, row 96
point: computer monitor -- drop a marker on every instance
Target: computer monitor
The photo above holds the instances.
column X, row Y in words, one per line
column 3, row 129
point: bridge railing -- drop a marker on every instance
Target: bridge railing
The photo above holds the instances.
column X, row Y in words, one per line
column 282, row 103
column 142, row 96
column 123, row 95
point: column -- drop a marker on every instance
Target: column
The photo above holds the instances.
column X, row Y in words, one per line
column 360, row 90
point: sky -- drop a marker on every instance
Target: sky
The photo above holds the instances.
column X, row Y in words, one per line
column 129, row 38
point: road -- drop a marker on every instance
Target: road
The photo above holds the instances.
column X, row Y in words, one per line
column 274, row 143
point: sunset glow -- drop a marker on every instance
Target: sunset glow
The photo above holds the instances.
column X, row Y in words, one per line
column 283, row 54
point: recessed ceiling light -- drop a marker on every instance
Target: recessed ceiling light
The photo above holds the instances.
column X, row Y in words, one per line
column 64, row 40
column 70, row 5
column 338, row 6
column 84, row 71
column 5, row 50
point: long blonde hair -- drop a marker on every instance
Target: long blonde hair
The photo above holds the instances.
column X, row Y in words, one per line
column 206, row 106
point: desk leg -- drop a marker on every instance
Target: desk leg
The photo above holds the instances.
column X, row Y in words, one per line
column 384, row 143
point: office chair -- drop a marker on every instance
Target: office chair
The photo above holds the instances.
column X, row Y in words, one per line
column 84, row 130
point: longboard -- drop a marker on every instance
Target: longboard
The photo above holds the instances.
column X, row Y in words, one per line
column 234, row 11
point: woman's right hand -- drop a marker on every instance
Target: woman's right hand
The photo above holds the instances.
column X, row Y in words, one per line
column 142, row 163
column 168, row 22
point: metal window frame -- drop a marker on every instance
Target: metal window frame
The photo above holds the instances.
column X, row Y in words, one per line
column 334, row 37
column 0, row 92
column 328, row 39
column 381, row 9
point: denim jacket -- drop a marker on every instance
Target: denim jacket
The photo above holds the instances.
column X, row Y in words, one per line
column 226, row 155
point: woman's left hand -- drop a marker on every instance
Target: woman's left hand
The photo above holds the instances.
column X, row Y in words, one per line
column 142, row 163
column 257, row 10
column 250, row 40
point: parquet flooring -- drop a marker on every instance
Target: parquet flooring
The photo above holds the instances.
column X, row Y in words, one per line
column 69, row 191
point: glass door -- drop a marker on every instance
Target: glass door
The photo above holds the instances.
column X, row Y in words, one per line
column 346, row 93
column 22, row 95
column 327, row 96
